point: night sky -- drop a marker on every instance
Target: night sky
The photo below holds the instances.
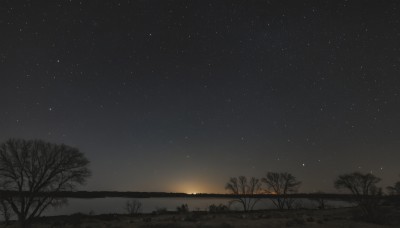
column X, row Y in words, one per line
column 181, row 95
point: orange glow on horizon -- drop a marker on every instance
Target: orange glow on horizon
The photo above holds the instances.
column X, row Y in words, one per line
column 192, row 188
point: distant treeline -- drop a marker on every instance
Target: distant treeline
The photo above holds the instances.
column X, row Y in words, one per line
column 103, row 194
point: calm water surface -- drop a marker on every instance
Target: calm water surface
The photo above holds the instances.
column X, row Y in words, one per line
column 117, row 204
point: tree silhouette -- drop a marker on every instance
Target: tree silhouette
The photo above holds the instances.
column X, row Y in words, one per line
column 5, row 211
column 320, row 200
column 281, row 185
column 133, row 207
column 33, row 170
column 244, row 191
column 395, row 189
column 184, row 208
column 364, row 189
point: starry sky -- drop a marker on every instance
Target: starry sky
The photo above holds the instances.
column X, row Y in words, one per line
column 181, row 95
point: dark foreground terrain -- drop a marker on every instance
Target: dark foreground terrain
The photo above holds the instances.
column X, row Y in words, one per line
column 342, row 217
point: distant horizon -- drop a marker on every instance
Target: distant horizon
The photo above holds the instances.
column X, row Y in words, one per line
column 135, row 194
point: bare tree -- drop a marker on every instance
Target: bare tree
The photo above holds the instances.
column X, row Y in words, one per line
column 133, row 207
column 244, row 191
column 32, row 171
column 5, row 210
column 184, row 208
column 395, row 189
column 320, row 200
column 364, row 189
column 281, row 185
column 394, row 192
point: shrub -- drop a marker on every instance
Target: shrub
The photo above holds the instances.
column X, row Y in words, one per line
column 133, row 207
column 217, row 208
column 183, row 208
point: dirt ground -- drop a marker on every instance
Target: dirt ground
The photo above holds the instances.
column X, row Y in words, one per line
column 343, row 217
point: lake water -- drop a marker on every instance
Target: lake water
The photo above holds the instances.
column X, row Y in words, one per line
column 116, row 205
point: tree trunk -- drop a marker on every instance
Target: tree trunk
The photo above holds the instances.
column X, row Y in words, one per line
column 23, row 222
